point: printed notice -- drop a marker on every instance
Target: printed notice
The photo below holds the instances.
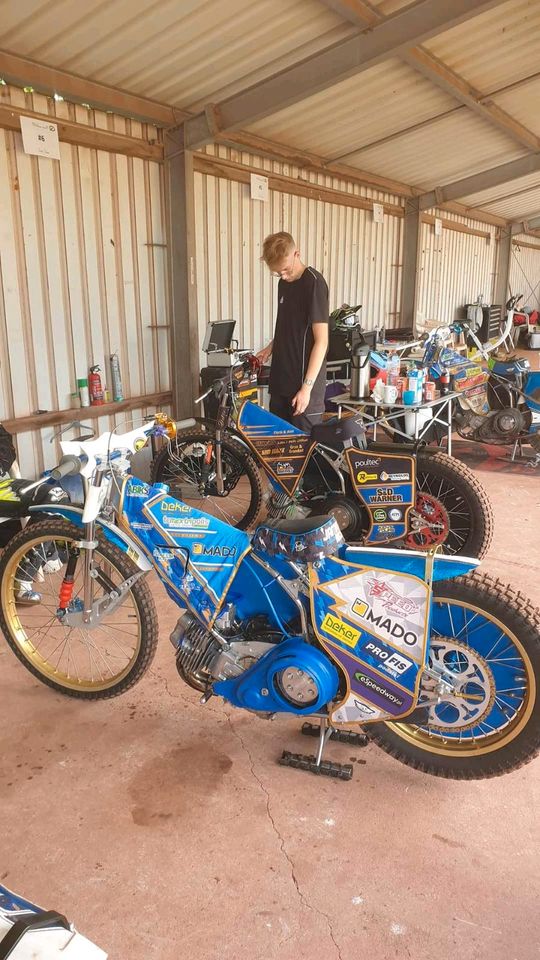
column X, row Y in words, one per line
column 40, row 138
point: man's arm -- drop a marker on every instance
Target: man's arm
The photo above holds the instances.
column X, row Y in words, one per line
column 316, row 358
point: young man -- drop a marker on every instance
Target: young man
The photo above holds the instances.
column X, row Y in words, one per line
column 298, row 350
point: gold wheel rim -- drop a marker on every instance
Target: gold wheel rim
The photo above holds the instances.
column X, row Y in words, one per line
column 86, row 639
column 435, row 743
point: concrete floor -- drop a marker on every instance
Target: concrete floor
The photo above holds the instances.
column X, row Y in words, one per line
column 165, row 829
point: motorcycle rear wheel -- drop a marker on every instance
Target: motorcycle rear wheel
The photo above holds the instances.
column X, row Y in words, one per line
column 182, row 466
column 483, row 629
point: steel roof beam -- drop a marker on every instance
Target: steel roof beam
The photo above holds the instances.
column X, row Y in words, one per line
column 424, row 62
column 324, row 69
column 481, row 181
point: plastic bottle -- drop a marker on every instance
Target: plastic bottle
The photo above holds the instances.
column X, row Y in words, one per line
column 94, row 386
column 84, row 396
column 393, row 370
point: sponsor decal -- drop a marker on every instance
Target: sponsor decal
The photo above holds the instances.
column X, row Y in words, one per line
column 341, row 630
column 390, row 599
column 133, row 555
column 186, row 523
column 283, row 467
column 363, row 477
column 364, row 709
column 395, row 514
column 390, row 660
column 379, row 515
column 138, row 490
column 360, row 462
column 392, row 628
column 387, row 528
column 378, row 688
column 174, row 506
column 385, row 495
column 138, row 525
column 394, row 476
column 163, row 555
column 199, row 549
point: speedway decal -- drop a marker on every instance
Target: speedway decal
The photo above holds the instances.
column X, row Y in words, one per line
column 373, row 623
column 283, row 453
column 386, row 485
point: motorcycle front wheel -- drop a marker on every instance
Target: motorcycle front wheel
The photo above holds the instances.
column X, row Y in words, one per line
column 88, row 662
column 189, row 467
column 486, row 721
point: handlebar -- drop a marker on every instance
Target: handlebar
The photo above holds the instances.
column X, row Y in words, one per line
column 69, row 464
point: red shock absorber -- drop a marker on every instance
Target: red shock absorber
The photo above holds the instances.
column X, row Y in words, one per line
column 66, row 592
column 208, row 455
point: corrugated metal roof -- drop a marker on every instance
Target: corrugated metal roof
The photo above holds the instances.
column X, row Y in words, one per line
column 522, row 103
column 518, row 208
column 180, row 53
column 489, row 198
column 359, row 111
column 494, row 48
column 454, row 147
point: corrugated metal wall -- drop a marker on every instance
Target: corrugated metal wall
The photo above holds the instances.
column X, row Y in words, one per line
column 83, row 272
column 525, row 272
column 455, row 268
column 360, row 259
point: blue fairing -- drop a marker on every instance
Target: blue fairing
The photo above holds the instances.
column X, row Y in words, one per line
column 532, row 388
column 408, row 561
column 259, row 689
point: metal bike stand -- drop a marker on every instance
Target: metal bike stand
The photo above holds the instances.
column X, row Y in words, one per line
column 316, row 764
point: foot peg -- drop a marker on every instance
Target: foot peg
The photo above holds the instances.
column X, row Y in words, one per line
column 350, row 737
column 301, row 761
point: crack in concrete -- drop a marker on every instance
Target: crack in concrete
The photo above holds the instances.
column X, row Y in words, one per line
column 301, row 895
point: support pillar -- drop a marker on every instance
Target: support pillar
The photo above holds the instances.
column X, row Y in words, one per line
column 181, row 230
column 410, row 271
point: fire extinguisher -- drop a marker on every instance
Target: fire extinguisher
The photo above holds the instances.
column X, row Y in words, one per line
column 94, row 386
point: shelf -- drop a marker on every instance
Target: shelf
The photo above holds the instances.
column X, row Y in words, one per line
column 54, row 418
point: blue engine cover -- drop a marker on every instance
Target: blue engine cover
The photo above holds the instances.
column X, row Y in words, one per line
column 247, row 690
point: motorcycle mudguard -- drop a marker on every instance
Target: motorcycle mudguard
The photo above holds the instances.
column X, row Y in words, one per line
column 409, row 561
column 385, row 483
column 374, row 624
column 113, row 533
column 282, row 449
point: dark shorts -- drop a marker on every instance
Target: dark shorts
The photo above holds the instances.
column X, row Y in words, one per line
column 282, row 407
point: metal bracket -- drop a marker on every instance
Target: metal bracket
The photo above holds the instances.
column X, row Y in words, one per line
column 102, row 607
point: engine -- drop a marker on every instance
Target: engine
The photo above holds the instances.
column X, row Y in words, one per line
column 499, row 426
column 201, row 658
column 257, row 669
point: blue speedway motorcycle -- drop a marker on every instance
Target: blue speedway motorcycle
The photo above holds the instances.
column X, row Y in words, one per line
column 437, row 664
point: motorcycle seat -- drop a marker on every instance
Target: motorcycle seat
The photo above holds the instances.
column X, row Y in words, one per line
column 303, row 539
column 333, row 433
column 511, row 368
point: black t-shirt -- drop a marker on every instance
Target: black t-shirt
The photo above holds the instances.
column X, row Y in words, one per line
column 301, row 303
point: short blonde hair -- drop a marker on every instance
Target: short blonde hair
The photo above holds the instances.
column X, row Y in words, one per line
column 276, row 246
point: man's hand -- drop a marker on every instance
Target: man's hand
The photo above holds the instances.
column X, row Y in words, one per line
column 300, row 401
column 264, row 354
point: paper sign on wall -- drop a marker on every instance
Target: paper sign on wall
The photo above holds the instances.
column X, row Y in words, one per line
column 378, row 213
column 438, row 227
column 40, row 138
column 259, row 187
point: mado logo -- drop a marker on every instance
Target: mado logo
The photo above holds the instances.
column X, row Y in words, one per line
column 217, row 550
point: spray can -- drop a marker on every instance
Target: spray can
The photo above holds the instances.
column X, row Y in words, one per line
column 94, row 386
column 84, row 397
column 117, row 393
